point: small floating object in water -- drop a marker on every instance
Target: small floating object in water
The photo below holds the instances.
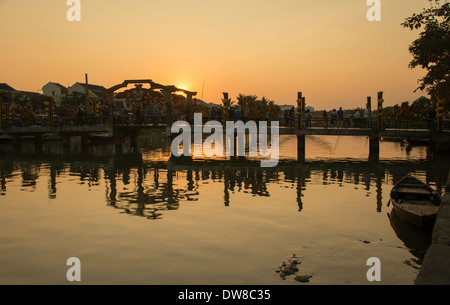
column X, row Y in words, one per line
column 302, row 278
column 289, row 268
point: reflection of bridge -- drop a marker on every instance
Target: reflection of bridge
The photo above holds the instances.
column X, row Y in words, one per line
column 155, row 187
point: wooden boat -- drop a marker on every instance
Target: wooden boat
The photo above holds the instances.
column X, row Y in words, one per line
column 415, row 238
column 415, row 201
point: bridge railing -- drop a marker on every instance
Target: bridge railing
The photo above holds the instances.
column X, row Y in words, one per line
column 150, row 120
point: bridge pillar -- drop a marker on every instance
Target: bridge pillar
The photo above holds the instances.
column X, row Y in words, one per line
column 374, row 148
column 431, row 150
column 301, row 147
column 134, row 141
column 84, row 142
column 38, row 143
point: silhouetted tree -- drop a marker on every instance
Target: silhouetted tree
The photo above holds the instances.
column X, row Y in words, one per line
column 431, row 50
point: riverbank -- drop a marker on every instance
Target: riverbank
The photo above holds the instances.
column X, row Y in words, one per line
column 435, row 269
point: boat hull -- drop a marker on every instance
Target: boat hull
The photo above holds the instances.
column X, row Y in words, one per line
column 423, row 221
column 415, row 202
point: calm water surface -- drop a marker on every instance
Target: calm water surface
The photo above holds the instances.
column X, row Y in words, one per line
column 138, row 218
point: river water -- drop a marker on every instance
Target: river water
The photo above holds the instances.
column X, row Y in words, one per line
column 140, row 218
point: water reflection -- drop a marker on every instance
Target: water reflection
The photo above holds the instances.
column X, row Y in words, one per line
column 152, row 187
column 148, row 185
column 417, row 240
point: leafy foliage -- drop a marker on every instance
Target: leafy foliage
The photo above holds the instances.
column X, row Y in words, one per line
column 431, row 50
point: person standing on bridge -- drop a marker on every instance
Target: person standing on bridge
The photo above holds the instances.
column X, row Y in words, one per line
column 325, row 118
column 333, row 117
column 340, row 115
column 367, row 116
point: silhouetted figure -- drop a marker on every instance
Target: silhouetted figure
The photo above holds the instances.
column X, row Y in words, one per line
column 325, row 119
column 333, row 117
column 292, row 116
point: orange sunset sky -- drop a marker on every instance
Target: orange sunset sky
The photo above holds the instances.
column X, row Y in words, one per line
column 326, row 49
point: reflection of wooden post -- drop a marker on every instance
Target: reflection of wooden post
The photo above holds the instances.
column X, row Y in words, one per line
column 299, row 190
column 379, row 193
column 52, row 184
column 113, row 186
column 226, row 181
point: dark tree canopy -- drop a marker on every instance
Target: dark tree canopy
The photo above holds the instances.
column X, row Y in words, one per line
column 431, row 50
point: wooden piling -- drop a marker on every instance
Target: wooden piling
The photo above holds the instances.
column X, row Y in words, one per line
column 374, row 148
column 301, row 148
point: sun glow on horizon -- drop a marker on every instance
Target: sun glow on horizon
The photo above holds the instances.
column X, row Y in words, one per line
column 334, row 56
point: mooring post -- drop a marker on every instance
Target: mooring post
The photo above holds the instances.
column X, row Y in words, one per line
column 374, row 148
column 226, row 106
column 134, row 141
column 431, row 149
column 84, row 142
column 301, row 149
column 300, row 109
column 380, row 112
column 369, row 112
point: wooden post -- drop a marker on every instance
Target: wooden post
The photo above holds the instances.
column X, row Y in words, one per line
column 380, row 111
column 301, row 151
column 226, row 106
column 87, row 92
column 301, row 147
column 369, row 108
column 431, row 150
column 299, row 110
column 374, row 148
column 134, row 141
